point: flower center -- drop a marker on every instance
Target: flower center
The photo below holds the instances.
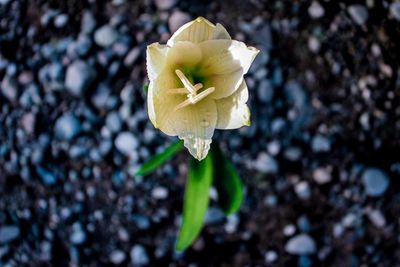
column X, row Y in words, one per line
column 190, row 90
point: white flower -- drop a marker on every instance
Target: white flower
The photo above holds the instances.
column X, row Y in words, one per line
column 197, row 85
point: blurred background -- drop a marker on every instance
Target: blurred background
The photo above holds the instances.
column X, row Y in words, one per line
column 320, row 161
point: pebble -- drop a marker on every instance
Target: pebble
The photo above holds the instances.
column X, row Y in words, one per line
column 139, row 256
column 376, row 217
column 28, row 122
column 165, row 4
column 270, row 256
column 265, row 91
column 8, row 233
column 78, row 236
column 320, row 144
column 132, row 56
column 301, row 244
column 358, row 13
column 78, row 78
column 117, row 256
column 265, row 163
column 67, row 127
column 105, row 36
column 48, row 178
column 274, row 147
column 214, row 216
column 395, row 10
column 315, row 10
column 159, row 193
column 322, row 175
column 61, row 20
column 292, row 153
column 289, row 230
column 375, row 182
column 126, row 143
column 177, row 19
column 114, row 122
column 88, row 23
column 303, row 190
column 9, row 88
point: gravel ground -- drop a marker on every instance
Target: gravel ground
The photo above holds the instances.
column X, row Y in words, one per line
column 320, row 162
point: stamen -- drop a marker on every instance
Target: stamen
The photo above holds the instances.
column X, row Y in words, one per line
column 183, row 90
column 185, row 82
column 203, row 94
column 185, row 103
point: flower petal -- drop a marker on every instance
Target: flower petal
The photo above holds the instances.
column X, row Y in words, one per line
column 198, row 30
column 226, row 56
column 221, row 33
column 156, row 55
column 184, row 53
column 232, row 111
column 225, row 84
column 194, row 124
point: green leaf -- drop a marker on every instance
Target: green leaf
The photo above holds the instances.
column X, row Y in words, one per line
column 227, row 182
column 196, row 200
column 146, row 88
column 159, row 159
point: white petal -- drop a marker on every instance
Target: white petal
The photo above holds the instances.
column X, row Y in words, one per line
column 184, row 53
column 232, row 111
column 194, row 124
column 221, row 33
column 225, row 84
column 197, row 31
column 156, row 59
column 226, row 56
column 150, row 104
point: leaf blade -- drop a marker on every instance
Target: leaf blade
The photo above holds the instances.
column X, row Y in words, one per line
column 196, row 201
column 159, row 159
column 227, row 182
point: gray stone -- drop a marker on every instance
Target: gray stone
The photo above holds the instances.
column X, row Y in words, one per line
column 358, row 13
column 126, row 143
column 9, row 88
column 322, row 175
column 376, row 217
column 67, row 127
column 320, row 144
column 88, row 23
column 61, row 20
column 159, row 193
column 79, row 77
column 105, row 36
column 395, row 10
column 315, row 10
column 265, row 91
column 78, row 236
column 8, row 233
column 265, row 163
column 28, row 122
column 139, row 256
column 132, row 56
column 303, row 190
column 375, row 182
column 114, row 122
column 301, row 244
column 292, row 153
column 165, row 4
column 271, row 256
column 214, row 216
column 177, row 19
column 117, row 256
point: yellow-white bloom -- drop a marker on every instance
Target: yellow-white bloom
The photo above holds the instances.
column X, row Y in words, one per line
column 197, row 85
